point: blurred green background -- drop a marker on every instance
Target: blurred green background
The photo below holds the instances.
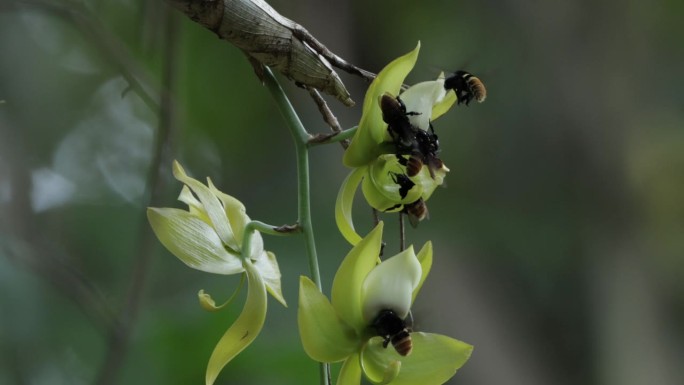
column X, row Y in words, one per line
column 559, row 240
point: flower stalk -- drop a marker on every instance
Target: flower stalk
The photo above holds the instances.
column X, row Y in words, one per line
column 301, row 138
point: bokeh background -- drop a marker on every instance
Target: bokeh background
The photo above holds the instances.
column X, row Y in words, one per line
column 559, row 239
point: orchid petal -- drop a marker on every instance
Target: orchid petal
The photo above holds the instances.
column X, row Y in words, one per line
column 434, row 359
column 245, row 329
column 381, row 188
column 235, row 212
column 380, row 371
column 212, row 206
column 347, row 285
column 390, row 285
column 350, row 373
column 344, row 204
column 424, row 256
column 193, row 241
column 442, row 107
column 209, row 304
column 267, row 265
column 372, row 129
column 325, row 336
column 420, row 98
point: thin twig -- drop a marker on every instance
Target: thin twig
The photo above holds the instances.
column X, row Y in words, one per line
column 120, row 336
column 402, row 234
column 335, row 60
column 332, row 137
column 328, row 115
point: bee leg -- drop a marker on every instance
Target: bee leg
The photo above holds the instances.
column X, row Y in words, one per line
column 386, row 342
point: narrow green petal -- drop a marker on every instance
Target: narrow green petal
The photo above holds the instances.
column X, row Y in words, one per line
column 325, row 336
column 209, row 304
column 267, row 265
column 350, row 373
column 390, row 285
column 425, row 258
column 194, row 206
column 433, row 361
column 344, row 204
column 193, row 241
column 235, row 211
column 348, row 282
column 372, row 129
column 442, row 107
column 245, row 329
column 211, row 204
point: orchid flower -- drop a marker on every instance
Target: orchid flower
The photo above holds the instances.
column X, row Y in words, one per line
column 378, row 166
column 211, row 236
column 342, row 329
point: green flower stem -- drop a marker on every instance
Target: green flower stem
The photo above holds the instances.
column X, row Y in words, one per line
column 301, row 138
column 334, row 137
column 265, row 228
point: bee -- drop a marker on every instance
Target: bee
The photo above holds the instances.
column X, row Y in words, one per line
column 392, row 328
column 466, row 86
column 405, row 184
column 400, row 128
column 416, row 211
column 422, row 146
column 424, row 151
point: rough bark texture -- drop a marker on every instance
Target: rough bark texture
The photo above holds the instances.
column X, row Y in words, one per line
column 273, row 40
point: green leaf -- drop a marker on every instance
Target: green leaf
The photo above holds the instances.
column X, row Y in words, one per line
column 347, row 285
column 245, row 329
column 372, row 129
column 325, row 336
column 344, row 203
column 193, row 241
column 350, row 373
column 433, row 361
column 212, row 206
column 425, row 258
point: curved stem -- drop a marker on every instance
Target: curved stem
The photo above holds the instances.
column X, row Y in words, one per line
column 265, row 228
column 333, row 137
column 301, row 138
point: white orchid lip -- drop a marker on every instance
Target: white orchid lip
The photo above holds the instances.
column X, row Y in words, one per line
column 421, row 98
column 390, row 285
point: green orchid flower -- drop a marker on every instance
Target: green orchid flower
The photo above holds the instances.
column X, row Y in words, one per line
column 211, row 236
column 386, row 183
column 343, row 330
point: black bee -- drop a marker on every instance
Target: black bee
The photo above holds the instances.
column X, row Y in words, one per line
column 421, row 146
column 416, row 211
column 401, row 130
column 466, row 86
column 405, row 184
column 393, row 329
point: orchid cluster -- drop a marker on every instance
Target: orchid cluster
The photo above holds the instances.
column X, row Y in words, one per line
column 398, row 171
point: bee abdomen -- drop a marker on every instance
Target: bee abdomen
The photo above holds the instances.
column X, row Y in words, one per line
column 402, row 342
column 413, row 165
column 477, row 88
